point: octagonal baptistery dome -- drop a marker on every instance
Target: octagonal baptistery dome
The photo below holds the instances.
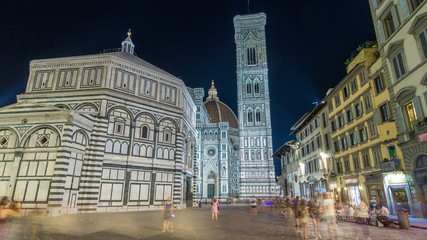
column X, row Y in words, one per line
column 219, row 111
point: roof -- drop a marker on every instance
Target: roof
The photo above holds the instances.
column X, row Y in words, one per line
column 220, row 112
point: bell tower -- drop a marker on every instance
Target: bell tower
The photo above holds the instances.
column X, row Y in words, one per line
column 253, row 100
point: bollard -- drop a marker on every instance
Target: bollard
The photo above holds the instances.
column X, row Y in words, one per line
column 403, row 220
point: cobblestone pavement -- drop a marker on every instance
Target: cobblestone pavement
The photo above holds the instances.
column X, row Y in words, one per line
column 234, row 223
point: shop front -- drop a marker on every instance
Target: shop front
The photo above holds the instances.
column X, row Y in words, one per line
column 398, row 192
column 335, row 190
column 375, row 189
column 353, row 191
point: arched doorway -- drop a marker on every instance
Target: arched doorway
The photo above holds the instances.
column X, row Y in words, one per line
column 420, row 173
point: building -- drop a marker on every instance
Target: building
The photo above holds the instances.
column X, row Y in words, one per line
column 310, row 132
column 217, row 147
column 253, row 100
column 289, row 178
column 362, row 132
column 102, row 132
column 401, row 30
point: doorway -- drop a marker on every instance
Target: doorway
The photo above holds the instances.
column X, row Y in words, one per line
column 211, row 190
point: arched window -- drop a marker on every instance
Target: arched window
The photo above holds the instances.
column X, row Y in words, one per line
column 249, row 88
column 144, row 132
column 251, row 56
column 250, row 117
column 256, row 87
column 258, row 116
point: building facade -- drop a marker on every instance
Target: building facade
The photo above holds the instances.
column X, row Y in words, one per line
column 401, row 30
column 253, row 100
column 217, row 147
column 309, row 131
column 103, row 132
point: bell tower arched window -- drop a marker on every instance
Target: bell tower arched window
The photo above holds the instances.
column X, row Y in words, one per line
column 144, row 132
column 250, row 117
column 256, row 87
column 249, row 88
column 251, row 56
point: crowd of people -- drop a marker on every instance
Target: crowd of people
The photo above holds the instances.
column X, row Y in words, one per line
column 325, row 209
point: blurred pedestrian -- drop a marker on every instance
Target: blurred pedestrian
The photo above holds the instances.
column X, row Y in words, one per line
column 314, row 213
column 295, row 202
column 302, row 216
column 215, row 209
column 219, row 212
column 5, row 213
column 254, row 210
column 168, row 216
column 327, row 210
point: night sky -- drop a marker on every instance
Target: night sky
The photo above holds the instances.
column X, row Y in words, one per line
column 307, row 43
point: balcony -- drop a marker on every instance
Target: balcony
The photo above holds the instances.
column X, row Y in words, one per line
column 391, row 166
column 419, row 127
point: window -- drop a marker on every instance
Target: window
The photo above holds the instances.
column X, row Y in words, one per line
column 333, row 126
column 373, row 129
column 385, row 112
column 390, row 22
column 344, row 143
column 337, row 100
column 251, row 56
column 362, row 134
column 410, row 114
column 377, row 156
column 350, row 115
column 119, row 128
column 423, row 42
column 340, row 121
column 392, row 152
column 366, row 161
column 167, row 136
column 258, row 116
column 327, row 141
column 413, row 4
column 256, row 86
column 368, row 103
column 330, row 106
column 359, row 109
column 353, row 140
column 324, row 122
column 250, row 117
column 249, row 88
column 398, row 65
column 347, row 165
column 144, row 132
column 354, row 85
column 336, row 146
column 345, row 92
column 379, row 84
column 356, row 162
column 362, row 77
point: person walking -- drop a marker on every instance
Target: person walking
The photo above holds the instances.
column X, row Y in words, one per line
column 5, row 213
column 254, row 210
column 327, row 210
column 295, row 202
column 168, row 216
column 215, row 209
column 314, row 213
column 302, row 216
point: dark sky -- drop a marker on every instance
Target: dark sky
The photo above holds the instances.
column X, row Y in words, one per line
column 307, row 43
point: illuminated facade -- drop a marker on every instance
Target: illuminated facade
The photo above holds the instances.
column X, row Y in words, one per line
column 289, row 178
column 253, row 104
column 310, row 133
column 217, row 147
column 362, row 132
column 401, row 30
column 95, row 133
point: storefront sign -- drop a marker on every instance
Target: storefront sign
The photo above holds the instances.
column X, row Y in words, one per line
column 395, row 179
column 351, row 181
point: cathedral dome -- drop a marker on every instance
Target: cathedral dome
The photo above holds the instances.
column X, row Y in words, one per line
column 219, row 111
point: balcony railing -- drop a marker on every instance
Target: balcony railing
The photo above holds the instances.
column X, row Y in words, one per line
column 391, row 166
